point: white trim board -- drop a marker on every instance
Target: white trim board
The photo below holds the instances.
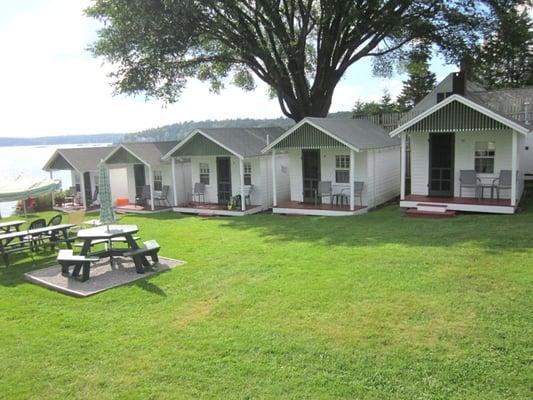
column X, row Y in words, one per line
column 317, row 212
column 467, row 102
column 193, row 134
column 463, row 207
column 298, row 125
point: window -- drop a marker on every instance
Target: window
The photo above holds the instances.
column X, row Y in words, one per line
column 247, row 173
column 158, row 181
column 484, row 157
column 342, row 169
column 204, row 173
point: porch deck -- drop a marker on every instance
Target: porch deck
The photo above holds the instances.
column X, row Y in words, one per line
column 132, row 208
column 468, row 204
column 69, row 208
column 215, row 209
column 299, row 208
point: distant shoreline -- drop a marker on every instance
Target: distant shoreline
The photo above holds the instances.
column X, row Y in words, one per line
column 61, row 140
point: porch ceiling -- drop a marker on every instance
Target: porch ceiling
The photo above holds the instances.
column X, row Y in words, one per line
column 308, row 137
column 199, row 145
column 457, row 117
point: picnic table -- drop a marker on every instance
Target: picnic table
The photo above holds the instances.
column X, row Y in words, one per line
column 7, row 227
column 107, row 233
column 9, row 244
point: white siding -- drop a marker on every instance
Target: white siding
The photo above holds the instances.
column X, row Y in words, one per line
column 211, row 189
column 419, row 163
column 526, row 156
column 183, row 182
column 464, row 157
column 295, row 174
column 261, row 178
column 384, row 175
column 118, row 178
column 463, row 160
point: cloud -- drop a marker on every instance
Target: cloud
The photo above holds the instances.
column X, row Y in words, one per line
column 52, row 86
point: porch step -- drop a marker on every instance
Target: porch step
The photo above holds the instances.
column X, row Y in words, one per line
column 414, row 212
column 437, row 208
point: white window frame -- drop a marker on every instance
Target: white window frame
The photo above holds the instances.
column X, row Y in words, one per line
column 342, row 164
column 485, row 150
column 247, row 172
column 204, row 172
column 158, row 180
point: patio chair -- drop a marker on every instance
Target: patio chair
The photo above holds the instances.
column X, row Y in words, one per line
column 248, row 189
column 324, row 189
column 358, row 191
column 36, row 239
column 504, row 181
column 56, row 220
column 71, row 195
column 199, row 191
column 468, row 179
column 95, row 201
column 163, row 198
column 142, row 199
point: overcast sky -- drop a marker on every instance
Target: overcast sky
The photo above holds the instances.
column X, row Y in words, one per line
column 52, row 86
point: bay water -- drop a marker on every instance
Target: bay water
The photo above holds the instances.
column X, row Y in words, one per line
column 29, row 161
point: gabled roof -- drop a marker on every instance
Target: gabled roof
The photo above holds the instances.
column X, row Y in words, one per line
column 149, row 153
column 81, row 159
column 357, row 134
column 241, row 142
column 469, row 102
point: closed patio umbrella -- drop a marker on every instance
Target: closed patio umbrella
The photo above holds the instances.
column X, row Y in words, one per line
column 107, row 215
column 23, row 188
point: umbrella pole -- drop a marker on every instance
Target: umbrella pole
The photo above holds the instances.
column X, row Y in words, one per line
column 24, row 207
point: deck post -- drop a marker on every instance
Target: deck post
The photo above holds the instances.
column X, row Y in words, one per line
column 352, row 179
column 151, row 180
column 403, row 165
column 274, row 185
column 83, row 195
column 52, row 194
column 241, row 176
column 514, row 169
column 173, row 166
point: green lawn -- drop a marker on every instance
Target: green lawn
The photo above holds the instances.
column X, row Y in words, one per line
column 373, row 307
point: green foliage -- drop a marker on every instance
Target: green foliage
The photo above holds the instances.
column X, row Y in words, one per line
column 420, row 80
column 300, row 49
column 376, row 306
column 505, row 59
column 385, row 105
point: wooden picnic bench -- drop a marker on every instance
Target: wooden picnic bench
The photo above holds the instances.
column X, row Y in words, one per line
column 18, row 241
column 150, row 249
column 67, row 259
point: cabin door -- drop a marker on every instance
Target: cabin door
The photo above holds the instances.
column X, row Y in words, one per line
column 224, row 179
column 140, row 178
column 441, row 164
column 310, row 174
column 88, row 190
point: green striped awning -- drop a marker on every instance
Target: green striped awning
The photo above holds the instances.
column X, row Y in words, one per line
column 308, row 137
column 456, row 117
column 199, row 145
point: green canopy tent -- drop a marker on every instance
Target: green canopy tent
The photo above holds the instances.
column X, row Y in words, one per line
column 24, row 188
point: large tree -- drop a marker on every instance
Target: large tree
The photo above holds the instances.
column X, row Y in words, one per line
column 300, row 48
column 420, row 80
column 505, row 58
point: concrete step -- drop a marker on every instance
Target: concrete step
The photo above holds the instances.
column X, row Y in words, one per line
column 442, row 208
column 413, row 212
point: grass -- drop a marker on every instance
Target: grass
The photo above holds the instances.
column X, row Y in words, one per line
column 373, row 307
